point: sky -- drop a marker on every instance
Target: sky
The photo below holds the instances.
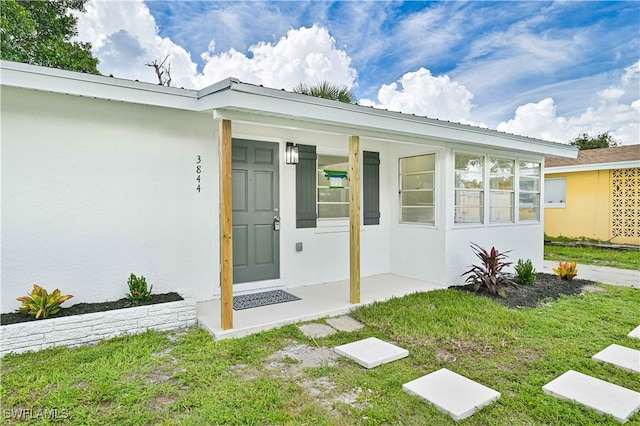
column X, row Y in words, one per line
column 549, row 70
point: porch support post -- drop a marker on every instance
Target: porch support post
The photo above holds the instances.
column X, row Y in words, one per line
column 354, row 219
column 226, row 227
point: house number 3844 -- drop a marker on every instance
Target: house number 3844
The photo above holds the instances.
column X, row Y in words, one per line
column 198, row 171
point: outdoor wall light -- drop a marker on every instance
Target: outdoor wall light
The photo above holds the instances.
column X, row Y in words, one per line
column 291, row 153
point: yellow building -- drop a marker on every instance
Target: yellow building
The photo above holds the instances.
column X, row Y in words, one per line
column 596, row 195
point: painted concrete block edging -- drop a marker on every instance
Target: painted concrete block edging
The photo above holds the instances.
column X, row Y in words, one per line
column 84, row 329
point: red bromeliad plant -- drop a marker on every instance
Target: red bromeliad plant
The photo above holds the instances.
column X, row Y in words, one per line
column 489, row 274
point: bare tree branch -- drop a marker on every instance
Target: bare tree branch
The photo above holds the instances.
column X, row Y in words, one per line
column 163, row 71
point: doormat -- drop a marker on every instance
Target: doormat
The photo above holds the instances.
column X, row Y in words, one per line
column 247, row 301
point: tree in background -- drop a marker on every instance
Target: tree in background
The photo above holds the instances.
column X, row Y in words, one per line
column 40, row 33
column 327, row 90
column 603, row 140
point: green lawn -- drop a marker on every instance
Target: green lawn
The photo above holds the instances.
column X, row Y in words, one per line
column 625, row 259
column 187, row 378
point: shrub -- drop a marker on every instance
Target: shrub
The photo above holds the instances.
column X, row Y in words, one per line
column 489, row 274
column 566, row 270
column 42, row 304
column 138, row 291
column 525, row 272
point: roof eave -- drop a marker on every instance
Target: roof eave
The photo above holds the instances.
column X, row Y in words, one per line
column 258, row 100
column 593, row 167
column 33, row 77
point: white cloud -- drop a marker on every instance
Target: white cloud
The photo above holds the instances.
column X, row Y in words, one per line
column 304, row 55
column 125, row 37
column 612, row 114
column 421, row 93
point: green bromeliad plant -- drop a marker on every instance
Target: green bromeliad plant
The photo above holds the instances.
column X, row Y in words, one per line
column 41, row 304
column 138, row 291
column 488, row 274
column 525, row 272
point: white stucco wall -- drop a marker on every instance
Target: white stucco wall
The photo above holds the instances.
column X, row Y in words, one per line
column 523, row 241
column 94, row 190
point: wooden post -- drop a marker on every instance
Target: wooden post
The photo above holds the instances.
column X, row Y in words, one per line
column 354, row 219
column 226, row 226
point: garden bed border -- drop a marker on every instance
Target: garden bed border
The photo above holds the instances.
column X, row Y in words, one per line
column 76, row 330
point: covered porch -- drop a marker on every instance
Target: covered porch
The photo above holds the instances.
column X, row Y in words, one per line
column 316, row 301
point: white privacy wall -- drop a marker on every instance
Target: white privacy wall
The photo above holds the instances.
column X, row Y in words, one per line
column 94, row 190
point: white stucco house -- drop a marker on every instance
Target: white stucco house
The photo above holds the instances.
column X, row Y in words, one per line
column 103, row 177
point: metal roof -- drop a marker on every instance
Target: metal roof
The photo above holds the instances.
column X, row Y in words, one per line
column 235, row 100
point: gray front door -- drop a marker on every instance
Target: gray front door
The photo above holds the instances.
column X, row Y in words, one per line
column 256, row 236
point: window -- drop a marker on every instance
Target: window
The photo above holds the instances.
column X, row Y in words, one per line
column 513, row 186
column 469, row 188
column 501, row 190
column 333, row 203
column 313, row 195
column 417, row 197
column 555, row 191
column 529, row 185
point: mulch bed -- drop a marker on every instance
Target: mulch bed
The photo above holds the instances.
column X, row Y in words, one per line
column 88, row 308
column 547, row 287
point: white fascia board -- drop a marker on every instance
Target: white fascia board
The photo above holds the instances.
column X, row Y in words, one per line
column 285, row 105
column 593, row 167
column 53, row 80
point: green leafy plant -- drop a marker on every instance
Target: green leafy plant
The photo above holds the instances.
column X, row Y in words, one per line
column 138, row 291
column 566, row 270
column 42, row 304
column 525, row 272
column 489, row 274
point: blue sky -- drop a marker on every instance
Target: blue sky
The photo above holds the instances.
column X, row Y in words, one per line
column 544, row 69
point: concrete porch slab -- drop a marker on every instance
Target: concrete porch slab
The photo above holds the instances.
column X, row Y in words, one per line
column 635, row 333
column 451, row 393
column 620, row 356
column 372, row 352
column 603, row 397
column 317, row 301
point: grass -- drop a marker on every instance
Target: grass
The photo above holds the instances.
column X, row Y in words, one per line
column 625, row 259
column 188, row 378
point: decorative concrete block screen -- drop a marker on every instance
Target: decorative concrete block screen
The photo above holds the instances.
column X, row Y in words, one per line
column 625, row 203
column 91, row 328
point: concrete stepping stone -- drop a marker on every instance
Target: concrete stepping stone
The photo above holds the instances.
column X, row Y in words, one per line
column 620, row 356
column 451, row 393
column 371, row 352
column 316, row 330
column 635, row 333
column 345, row 323
column 604, row 397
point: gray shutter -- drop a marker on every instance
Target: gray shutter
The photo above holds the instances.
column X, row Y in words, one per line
column 306, row 187
column 371, row 187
